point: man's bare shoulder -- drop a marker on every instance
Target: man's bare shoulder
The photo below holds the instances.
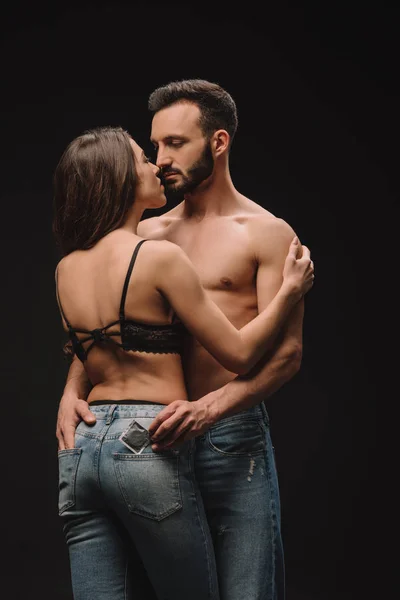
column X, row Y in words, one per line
column 163, row 256
column 275, row 228
column 157, row 226
column 263, row 224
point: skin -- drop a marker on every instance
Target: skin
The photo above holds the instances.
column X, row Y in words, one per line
column 251, row 244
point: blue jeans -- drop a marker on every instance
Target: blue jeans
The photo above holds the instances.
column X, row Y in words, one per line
column 127, row 516
column 236, row 473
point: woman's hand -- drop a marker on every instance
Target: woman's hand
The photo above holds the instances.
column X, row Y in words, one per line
column 298, row 271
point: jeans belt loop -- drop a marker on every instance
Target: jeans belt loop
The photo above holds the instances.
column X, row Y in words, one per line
column 110, row 414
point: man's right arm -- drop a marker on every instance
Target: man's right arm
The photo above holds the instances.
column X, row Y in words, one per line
column 73, row 406
column 182, row 420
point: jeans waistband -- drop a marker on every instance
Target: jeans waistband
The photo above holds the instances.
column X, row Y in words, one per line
column 126, row 409
column 258, row 411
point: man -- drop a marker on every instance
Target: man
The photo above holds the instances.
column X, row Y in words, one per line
column 238, row 249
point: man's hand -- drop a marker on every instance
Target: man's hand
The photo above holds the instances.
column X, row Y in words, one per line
column 70, row 412
column 178, row 422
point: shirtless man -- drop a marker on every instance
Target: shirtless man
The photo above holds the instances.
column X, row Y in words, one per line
column 239, row 249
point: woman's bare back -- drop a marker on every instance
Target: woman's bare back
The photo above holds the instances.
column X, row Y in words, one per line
column 90, row 286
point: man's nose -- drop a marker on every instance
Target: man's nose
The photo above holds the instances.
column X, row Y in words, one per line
column 163, row 160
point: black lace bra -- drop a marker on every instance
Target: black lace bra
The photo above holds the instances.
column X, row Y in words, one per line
column 141, row 337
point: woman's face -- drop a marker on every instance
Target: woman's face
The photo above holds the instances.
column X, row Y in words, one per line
column 149, row 190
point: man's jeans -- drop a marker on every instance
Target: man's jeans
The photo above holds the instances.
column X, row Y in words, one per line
column 123, row 510
column 236, row 473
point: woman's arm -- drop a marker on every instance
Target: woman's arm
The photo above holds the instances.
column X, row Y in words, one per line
column 236, row 350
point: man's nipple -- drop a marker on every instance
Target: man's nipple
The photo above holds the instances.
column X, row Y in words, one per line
column 226, row 282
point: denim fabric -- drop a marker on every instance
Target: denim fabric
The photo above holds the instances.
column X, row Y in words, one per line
column 132, row 514
column 236, row 473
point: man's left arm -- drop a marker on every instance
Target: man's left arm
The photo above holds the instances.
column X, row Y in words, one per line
column 267, row 377
column 182, row 420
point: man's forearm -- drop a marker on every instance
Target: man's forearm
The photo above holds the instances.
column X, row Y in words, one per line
column 77, row 383
column 246, row 391
column 183, row 420
column 270, row 374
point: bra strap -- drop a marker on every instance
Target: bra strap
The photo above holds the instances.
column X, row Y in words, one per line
column 127, row 279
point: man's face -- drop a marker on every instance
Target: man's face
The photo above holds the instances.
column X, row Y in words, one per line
column 183, row 154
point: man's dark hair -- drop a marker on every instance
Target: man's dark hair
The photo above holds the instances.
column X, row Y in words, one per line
column 217, row 107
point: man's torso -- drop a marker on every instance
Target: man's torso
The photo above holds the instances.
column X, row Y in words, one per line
column 224, row 254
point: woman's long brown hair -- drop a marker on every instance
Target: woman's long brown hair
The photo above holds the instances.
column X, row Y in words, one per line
column 94, row 185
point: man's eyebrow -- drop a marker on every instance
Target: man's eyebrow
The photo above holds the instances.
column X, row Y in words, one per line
column 171, row 136
column 175, row 136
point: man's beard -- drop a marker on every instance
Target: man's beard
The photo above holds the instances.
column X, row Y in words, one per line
column 198, row 172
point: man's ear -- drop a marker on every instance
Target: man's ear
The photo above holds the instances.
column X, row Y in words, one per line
column 220, row 142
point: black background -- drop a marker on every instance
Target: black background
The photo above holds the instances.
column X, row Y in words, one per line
column 317, row 95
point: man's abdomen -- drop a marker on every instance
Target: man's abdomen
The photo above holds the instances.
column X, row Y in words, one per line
column 203, row 374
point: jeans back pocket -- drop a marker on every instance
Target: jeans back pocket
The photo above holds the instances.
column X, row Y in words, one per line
column 150, row 483
column 68, row 461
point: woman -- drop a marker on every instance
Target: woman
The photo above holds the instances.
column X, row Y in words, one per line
column 126, row 304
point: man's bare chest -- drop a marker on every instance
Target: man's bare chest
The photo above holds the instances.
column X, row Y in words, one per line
column 221, row 253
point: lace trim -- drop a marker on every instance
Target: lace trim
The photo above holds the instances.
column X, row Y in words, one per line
column 152, row 339
column 165, row 338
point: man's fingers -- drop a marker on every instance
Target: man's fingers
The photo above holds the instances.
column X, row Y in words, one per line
column 68, row 434
column 162, row 416
column 60, row 438
column 85, row 413
column 171, row 446
column 172, row 435
column 165, row 414
column 166, row 427
column 70, row 413
column 177, row 438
